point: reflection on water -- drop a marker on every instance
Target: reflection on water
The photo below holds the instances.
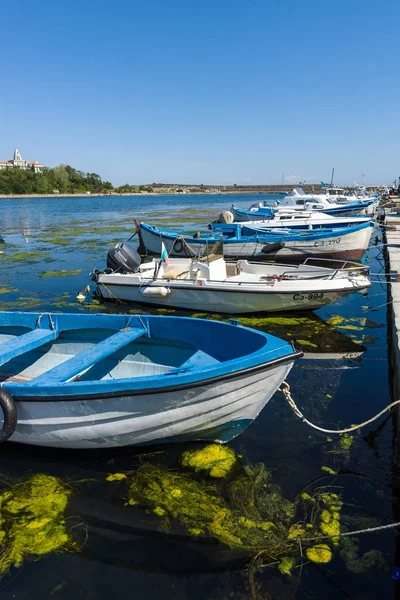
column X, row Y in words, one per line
column 343, row 379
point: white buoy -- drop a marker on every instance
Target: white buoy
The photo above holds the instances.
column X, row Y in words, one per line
column 81, row 297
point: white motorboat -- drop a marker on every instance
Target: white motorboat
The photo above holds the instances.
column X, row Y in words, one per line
column 332, row 204
column 211, row 284
column 294, row 219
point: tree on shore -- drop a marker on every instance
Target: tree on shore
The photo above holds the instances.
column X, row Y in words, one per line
column 63, row 179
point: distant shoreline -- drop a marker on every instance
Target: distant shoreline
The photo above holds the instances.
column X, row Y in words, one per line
column 5, row 196
column 256, row 191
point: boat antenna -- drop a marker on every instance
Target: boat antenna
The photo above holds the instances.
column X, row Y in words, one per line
column 333, row 174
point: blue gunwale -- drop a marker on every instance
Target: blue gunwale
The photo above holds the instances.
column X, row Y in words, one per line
column 263, row 350
column 263, row 238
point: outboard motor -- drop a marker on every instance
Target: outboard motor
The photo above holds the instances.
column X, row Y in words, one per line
column 123, row 256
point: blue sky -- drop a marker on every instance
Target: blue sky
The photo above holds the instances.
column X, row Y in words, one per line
column 216, row 91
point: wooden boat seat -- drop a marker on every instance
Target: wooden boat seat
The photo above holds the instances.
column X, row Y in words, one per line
column 199, row 359
column 25, row 343
column 173, row 272
column 233, row 269
column 82, row 361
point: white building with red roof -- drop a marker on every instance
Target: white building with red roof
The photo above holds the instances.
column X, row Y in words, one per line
column 19, row 162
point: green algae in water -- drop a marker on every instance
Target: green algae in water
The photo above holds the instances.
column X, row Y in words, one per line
column 57, row 240
column 246, row 513
column 199, row 507
column 328, row 470
column 306, row 343
column 361, row 563
column 7, row 289
column 214, row 459
column 286, row 565
column 32, row 520
column 60, row 273
column 116, row 477
column 26, row 257
column 21, row 303
column 345, row 442
column 319, row 554
column 344, row 323
column 267, row 321
column 354, row 323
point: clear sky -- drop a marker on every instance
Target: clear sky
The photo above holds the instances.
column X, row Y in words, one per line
column 204, row 91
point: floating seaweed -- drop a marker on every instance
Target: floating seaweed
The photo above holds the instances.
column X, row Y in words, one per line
column 7, row 289
column 25, row 258
column 216, row 496
column 214, row 459
column 32, row 521
column 60, row 273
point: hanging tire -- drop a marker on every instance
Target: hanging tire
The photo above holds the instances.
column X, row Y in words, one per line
column 9, row 409
column 177, row 246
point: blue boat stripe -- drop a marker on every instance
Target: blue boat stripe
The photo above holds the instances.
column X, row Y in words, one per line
column 25, row 343
column 87, row 390
column 88, row 357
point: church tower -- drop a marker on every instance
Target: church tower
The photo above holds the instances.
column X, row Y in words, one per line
column 18, row 162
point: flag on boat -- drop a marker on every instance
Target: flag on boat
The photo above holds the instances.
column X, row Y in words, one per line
column 164, row 253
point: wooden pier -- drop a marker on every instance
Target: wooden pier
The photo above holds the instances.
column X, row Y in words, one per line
column 392, row 261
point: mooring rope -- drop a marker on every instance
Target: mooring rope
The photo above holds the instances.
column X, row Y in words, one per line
column 285, row 389
column 357, row 532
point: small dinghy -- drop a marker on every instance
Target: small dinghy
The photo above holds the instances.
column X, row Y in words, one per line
column 98, row 381
column 209, row 283
column 240, row 241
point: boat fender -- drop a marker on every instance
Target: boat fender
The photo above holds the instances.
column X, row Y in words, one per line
column 177, row 246
column 155, row 292
column 10, row 415
column 226, row 217
column 272, row 247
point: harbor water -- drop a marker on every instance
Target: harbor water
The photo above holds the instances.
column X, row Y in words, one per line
column 51, row 245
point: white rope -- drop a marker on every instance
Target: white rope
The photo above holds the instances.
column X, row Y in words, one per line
column 286, row 392
column 357, row 532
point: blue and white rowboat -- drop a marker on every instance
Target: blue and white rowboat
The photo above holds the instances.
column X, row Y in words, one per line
column 98, row 381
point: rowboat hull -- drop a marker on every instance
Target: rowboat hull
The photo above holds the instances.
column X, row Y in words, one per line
column 104, row 381
column 350, row 244
column 215, row 412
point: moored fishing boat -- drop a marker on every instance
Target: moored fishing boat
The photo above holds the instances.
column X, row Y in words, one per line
column 332, row 204
column 289, row 218
column 298, row 200
column 256, row 212
column 349, row 243
column 209, row 283
column 96, row 381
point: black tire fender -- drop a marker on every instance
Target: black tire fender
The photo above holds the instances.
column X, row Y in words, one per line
column 10, row 414
column 177, row 246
